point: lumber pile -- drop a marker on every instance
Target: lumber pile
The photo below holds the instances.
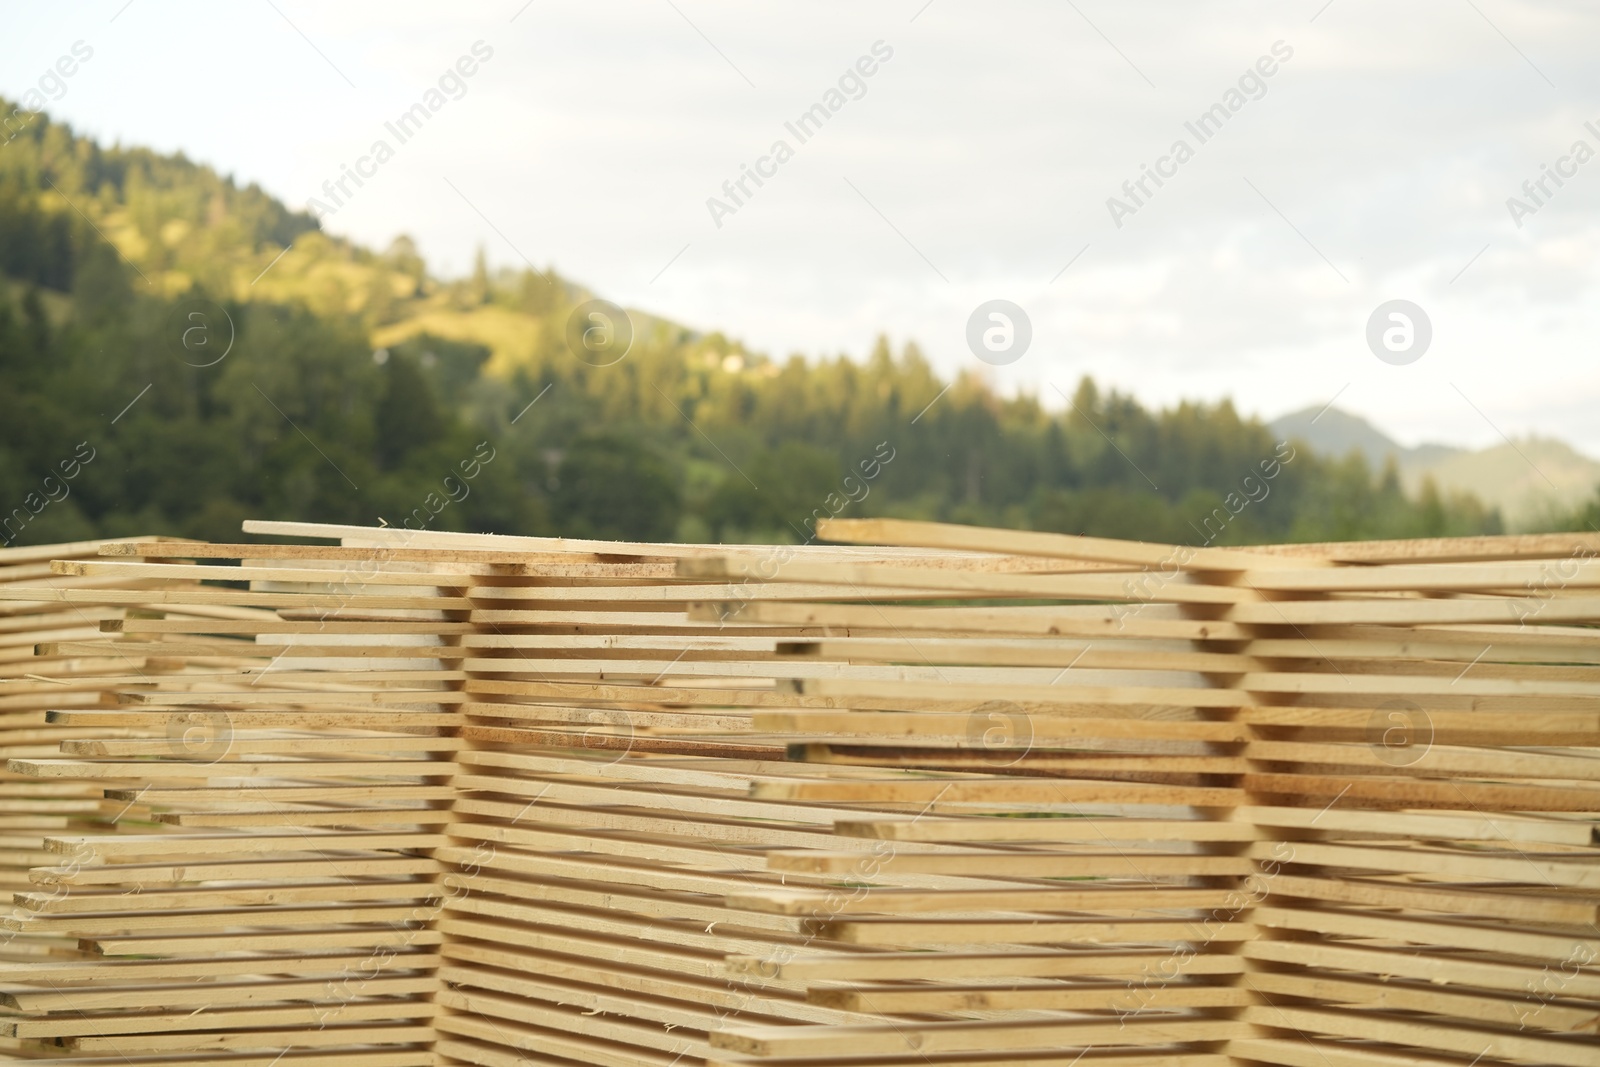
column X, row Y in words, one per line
column 924, row 795
column 32, row 686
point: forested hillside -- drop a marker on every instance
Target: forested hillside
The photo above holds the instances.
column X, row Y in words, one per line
column 355, row 386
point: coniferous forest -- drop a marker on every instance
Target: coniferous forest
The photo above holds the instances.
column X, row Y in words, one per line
column 335, row 383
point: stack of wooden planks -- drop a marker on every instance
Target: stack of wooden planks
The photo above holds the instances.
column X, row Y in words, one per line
column 925, row 795
column 266, row 888
column 38, row 693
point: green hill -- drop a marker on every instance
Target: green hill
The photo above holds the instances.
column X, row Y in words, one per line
column 1535, row 482
column 358, row 386
column 1337, row 433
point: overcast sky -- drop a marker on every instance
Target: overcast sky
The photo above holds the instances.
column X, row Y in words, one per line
column 975, row 163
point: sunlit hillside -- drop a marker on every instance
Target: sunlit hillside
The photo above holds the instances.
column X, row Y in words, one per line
column 355, row 382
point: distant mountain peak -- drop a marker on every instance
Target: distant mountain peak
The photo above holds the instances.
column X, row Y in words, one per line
column 1335, row 432
column 1528, row 480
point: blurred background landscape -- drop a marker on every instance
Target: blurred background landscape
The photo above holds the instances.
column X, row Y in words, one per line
column 208, row 313
column 358, row 380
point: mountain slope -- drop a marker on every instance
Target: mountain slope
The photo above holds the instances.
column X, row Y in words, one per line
column 1335, row 432
column 1534, row 481
column 1531, row 479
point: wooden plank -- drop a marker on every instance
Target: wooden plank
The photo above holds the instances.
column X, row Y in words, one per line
column 968, row 1036
column 1065, row 546
column 1461, row 1039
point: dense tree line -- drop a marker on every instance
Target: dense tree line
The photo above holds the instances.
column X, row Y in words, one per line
column 691, row 436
